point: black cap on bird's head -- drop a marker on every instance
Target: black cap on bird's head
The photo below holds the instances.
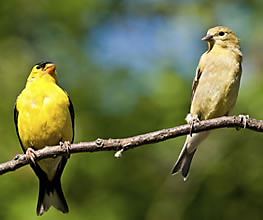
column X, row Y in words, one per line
column 46, row 66
column 42, row 64
column 43, row 69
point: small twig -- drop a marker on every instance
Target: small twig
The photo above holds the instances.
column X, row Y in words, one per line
column 132, row 142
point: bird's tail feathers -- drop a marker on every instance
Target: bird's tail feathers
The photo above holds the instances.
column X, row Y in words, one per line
column 185, row 158
column 184, row 162
column 51, row 194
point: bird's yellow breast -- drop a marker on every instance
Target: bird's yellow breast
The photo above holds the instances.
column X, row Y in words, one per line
column 44, row 117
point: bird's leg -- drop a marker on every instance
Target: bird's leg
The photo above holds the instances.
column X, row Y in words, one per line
column 191, row 120
column 66, row 146
column 31, row 155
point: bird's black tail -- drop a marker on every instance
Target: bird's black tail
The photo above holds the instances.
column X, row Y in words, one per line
column 50, row 191
column 51, row 194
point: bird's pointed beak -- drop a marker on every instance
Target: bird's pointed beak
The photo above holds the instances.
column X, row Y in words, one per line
column 208, row 37
column 50, row 68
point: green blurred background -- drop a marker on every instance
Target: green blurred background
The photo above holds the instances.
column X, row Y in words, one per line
column 128, row 66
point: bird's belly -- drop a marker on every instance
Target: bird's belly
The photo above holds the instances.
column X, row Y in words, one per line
column 215, row 100
column 39, row 128
column 45, row 128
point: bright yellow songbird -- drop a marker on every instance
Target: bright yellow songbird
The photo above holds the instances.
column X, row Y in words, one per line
column 44, row 116
column 215, row 88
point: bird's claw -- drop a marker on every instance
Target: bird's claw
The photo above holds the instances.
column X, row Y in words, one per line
column 31, row 155
column 66, row 146
column 191, row 120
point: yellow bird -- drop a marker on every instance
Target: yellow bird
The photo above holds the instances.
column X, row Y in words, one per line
column 215, row 88
column 44, row 116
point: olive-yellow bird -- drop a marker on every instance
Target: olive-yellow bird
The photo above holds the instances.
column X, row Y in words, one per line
column 44, row 116
column 215, row 88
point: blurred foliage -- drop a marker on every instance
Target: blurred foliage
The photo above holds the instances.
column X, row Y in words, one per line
column 128, row 67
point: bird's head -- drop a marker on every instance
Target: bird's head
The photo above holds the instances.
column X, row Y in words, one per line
column 46, row 70
column 221, row 36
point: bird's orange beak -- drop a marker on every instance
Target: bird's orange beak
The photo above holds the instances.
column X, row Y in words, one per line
column 208, row 37
column 50, row 68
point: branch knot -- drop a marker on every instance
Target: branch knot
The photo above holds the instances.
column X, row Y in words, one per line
column 99, row 142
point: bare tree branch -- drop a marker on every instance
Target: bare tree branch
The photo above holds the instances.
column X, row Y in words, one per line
column 136, row 141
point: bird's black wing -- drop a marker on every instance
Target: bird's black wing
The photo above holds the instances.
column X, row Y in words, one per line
column 72, row 114
column 17, row 132
column 198, row 74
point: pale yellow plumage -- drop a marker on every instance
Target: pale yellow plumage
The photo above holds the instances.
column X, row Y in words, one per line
column 215, row 87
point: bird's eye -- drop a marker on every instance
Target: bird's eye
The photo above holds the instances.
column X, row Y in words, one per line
column 38, row 67
column 221, row 33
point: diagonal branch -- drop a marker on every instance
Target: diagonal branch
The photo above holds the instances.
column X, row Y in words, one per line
column 136, row 141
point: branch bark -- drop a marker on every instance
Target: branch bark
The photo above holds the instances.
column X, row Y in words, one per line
column 136, row 141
